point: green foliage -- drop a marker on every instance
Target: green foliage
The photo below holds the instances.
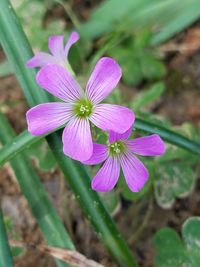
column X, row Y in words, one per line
column 137, row 60
column 176, row 175
column 172, row 251
column 173, row 179
column 169, row 17
column 148, row 96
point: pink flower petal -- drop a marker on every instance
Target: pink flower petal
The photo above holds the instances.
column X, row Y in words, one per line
column 100, row 153
column 135, row 172
column 103, row 79
column 40, row 59
column 56, row 46
column 77, row 139
column 151, row 145
column 106, row 178
column 73, row 38
column 58, row 82
column 47, row 117
column 112, row 118
column 113, row 136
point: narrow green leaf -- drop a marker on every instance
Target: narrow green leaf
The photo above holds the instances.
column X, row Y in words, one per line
column 18, row 51
column 42, row 209
column 5, row 254
column 168, row 135
column 17, row 145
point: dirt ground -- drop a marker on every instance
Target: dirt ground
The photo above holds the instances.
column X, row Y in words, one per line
column 180, row 103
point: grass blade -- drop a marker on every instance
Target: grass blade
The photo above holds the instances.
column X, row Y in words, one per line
column 5, row 254
column 168, row 135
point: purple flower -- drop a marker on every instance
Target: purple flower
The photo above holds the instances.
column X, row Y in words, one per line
column 79, row 107
column 58, row 51
column 121, row 152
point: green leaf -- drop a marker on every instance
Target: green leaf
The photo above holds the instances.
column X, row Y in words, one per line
column 169, row 17
column 172, row 180
column 103, row 20
column 132, row 73
column 151, row 67
column 5, row 254
column 168, row 135
column 170, row 250
column 148, row 96
column 191, row 237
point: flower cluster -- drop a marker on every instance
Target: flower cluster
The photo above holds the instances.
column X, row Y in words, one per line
column 78, row 108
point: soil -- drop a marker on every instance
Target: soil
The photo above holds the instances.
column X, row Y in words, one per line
column 180, row 103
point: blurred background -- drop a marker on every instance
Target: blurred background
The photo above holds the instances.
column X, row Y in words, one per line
column 157, row 44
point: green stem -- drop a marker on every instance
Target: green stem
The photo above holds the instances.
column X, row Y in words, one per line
column 18, row 51
column 5, row 254
column 38, row 200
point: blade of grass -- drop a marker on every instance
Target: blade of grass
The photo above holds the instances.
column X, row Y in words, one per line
column 168, row 135
column 18, row 51
column 38, row 200
column 17, row 145
column 5, row 254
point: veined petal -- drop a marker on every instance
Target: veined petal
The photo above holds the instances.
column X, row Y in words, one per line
column 100, row 153
column 40, row 59
column 47, row 117
column 77, row 139
column 135, row 172
column 57, row 81
column 103, row 80
column 73, row 38
column 113, row 136
column 107, row 177
column 151, row 145
column 56, row 46
column 112, row 118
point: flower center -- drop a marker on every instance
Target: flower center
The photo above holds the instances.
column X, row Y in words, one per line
column 116, row 148
column 83, row 108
